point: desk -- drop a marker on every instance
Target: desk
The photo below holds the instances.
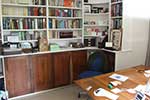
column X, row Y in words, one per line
column 135, row 74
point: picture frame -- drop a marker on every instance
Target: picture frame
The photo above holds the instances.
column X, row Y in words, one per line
column 116, row 38
column 87, row 8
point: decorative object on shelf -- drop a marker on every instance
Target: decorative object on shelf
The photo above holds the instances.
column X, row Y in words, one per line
column 85, row 1
column 87, row 8
column 26, row 47
column 116, row 36
column 43, row 44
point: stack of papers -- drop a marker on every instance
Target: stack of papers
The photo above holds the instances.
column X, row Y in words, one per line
column 119, row 77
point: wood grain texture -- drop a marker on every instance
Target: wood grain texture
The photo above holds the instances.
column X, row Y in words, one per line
column 79, row 63
column 135, row 74
column 18, row 76
column 61, row 63
column 42, row 72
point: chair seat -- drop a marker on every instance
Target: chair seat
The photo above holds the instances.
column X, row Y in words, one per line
column 89, row 74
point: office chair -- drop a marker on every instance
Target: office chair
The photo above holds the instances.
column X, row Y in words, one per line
column 96, row 64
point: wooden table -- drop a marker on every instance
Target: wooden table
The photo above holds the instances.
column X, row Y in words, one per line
column 135, row 74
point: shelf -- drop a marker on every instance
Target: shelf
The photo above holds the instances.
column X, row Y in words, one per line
column 66, row 29
column 64, row 17
column 113, row 3
column 95, row 14
column 65, row 39
column 1, row 76
column 15, row 16
column 22, row 5
column 101, row 3
column 96, row 25
column 24, row 41
column 116, row 17
column 91, row 35
column 18, row 30
column 62, row 7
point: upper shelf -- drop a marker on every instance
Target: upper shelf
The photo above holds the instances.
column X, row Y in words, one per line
column 95, row 14
column 21, row 5
column 113, row 3
column 63, row 7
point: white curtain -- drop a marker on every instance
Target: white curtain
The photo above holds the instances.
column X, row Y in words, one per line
column 147, row 62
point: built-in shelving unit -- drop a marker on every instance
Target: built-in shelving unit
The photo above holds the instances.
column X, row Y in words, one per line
column 96, row 22
column 116, row 23
column 29, row 20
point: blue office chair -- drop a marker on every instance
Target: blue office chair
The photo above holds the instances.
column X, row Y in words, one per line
column 96, row 63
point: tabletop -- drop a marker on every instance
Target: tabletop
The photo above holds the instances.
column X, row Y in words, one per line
column 135, row 77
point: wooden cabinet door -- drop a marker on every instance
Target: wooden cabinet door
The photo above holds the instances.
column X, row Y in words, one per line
column 79, row 63
column 18, row 80
column 61, row 69
column 42, row 72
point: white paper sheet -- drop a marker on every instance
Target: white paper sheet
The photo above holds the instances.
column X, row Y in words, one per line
column 119, row 77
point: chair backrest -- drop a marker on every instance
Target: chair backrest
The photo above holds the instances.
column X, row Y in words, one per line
column 96, row 61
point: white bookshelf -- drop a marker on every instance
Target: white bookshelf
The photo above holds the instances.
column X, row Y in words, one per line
column 116, row 20
column 62, row 7
column 96, row 22
column 24, row 11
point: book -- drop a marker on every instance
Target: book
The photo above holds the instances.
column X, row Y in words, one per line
column 68, row 3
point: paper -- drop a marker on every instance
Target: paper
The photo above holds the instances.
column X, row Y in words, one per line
column 119, row 77
column 116, row 90
column 103, row 92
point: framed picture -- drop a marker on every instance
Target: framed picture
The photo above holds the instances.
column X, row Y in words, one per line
column 116, row 38
column 87, row 8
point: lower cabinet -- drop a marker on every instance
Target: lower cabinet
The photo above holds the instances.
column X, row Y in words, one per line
column 18, row 76
column 79, row 63
column 61, row 63
column 42, row 72
column 33, row 73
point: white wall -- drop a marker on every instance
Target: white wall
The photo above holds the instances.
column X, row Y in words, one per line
column 135, row 34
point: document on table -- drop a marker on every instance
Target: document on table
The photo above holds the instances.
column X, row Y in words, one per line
column 119, row 77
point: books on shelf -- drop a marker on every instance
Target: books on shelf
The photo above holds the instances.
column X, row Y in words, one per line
column 116, row 10
column 22, row 35
column 24, row 23
column 30, row 11
column 116, row 23
column 64, row 13
column 31, row 2
column 116, row 0
column 64, row 34
column 66, row 3
column 63, row 23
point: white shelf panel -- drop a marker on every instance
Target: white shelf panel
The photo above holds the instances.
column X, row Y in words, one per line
column 24, row 41
column 1, row 76
column 92, row 36
column 21, row 5
column 116, row 17
column 64, row 17
column 96, row 14
column 61, row 7
column 96, row 25
column 18, row 30
column 65, row 39
column 102, row 3
column 66, row 29
column 16, row 16
column 113, row 3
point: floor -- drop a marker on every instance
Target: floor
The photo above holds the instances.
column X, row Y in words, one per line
column 66, row 93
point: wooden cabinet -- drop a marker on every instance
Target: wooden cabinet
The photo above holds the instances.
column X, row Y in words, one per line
column 18, row 76
column 61, row 65
column 110, row 67
column 79, row 63
column 42, row 72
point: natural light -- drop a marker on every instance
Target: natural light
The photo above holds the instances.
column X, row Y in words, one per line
column 138, row 8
